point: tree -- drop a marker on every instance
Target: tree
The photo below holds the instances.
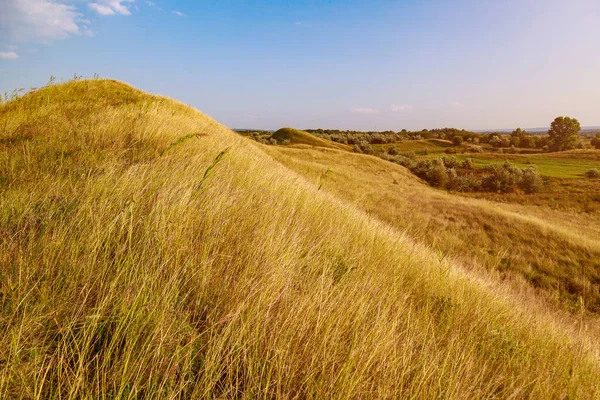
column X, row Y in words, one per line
column 563, row 134
column 527, row 142
column 596, row 141
column 457, row 140
column 519, row 133
column 517, row 136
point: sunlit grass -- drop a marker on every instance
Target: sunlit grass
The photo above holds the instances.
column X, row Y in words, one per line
column 124, row 277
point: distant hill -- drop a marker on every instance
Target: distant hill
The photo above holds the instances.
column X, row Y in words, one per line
column 295, row 136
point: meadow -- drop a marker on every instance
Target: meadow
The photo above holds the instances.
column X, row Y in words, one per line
column 147, row 251
column 570, row 165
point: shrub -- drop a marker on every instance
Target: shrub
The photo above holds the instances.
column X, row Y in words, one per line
column 366, row 148
column 468, row 183
column 393, row 150
column 476, row 149
column 451, row 162
column 531, row 181
column 437, row 175
column 467, row 164
column 457, row 140
column 405, row 161
column 408, row 154
column 432, row 171
column 453, row 179
column 593, row 174
column 501, row 178
column 356, row 148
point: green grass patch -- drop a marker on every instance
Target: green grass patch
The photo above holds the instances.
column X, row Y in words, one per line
column 548, row 165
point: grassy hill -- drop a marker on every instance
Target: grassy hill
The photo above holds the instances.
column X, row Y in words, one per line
column 558, row 253
column 148, row 252
column 297, row 137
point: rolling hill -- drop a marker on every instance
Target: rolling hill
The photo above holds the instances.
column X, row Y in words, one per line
column 296, row 137
column 147, row 251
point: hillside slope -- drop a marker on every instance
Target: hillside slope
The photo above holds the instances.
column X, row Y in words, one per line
column 558, row 253
column 147, row 251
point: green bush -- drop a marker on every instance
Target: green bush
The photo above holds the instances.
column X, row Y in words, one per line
column 501, row 178
column 451, row 162
column 467, row 164
column 432, row 171
column 531, row 181
column 404, row 161
column 366, row 148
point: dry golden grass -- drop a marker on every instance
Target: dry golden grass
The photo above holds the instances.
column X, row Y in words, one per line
column 557, row 252
column 127, row 274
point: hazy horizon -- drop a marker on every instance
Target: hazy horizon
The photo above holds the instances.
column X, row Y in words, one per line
column 380, row 65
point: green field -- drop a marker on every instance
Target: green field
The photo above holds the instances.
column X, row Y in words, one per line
column 548, row 165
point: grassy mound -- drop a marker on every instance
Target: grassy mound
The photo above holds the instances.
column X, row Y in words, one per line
column 148, row 252
column 295, row 136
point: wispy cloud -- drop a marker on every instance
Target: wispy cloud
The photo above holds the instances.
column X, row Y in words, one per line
column 364, row 110
column 154, row 5
column 101, row 9
column 40, row 20
column 401, row 107
column 300, row 23
column 10, row 55
column 178, row 13
column 110, row 7
column 457, row 104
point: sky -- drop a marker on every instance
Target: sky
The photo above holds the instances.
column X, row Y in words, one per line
column 337, row 64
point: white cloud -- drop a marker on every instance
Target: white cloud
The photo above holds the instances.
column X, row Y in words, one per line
column 39, row 20
column 364, row 110
column 110, row 7
column 11, row 55
column 179, row 14
column 457, row 104
column 101, row 9
column 401, row 107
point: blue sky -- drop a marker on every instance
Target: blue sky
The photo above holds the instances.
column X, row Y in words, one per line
column 365, row 65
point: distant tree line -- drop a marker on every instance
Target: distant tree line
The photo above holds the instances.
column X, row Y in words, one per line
column 564, row 134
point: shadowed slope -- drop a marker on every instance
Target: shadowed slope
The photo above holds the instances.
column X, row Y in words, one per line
column 127, row 274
